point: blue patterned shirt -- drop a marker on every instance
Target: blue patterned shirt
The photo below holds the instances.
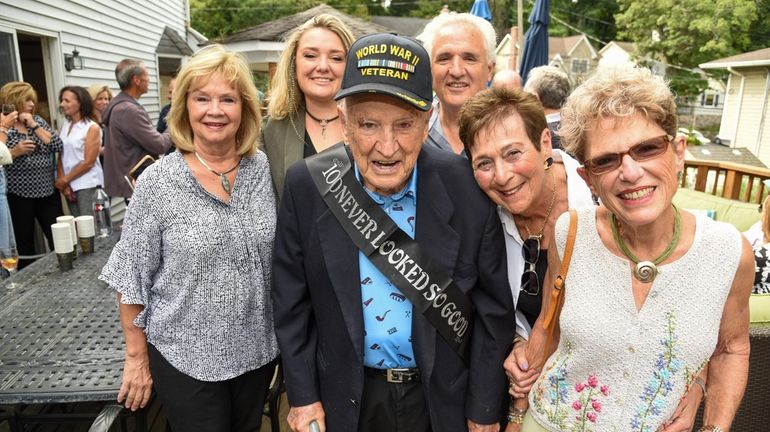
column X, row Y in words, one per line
column 387, row 312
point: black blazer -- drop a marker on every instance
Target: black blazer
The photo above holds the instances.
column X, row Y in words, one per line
column 318, row 306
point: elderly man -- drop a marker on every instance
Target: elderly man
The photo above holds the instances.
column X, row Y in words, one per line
column 551, row 85
column 462, row 54
column 391, row 303
column 129, row 135
column 507, row 78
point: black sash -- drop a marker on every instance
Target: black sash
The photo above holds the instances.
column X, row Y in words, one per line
column 391, row 250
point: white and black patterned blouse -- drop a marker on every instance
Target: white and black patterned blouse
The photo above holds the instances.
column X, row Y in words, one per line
column 32, row 175
column 762, row 274
column 201, row 268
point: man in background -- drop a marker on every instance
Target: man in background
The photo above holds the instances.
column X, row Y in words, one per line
column 551, row 85
column 128, row 134
column 462, row 55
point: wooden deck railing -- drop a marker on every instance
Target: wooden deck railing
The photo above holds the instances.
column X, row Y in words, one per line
column 725, row 179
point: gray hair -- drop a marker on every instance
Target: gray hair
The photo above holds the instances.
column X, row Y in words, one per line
column 480, row 24
column 550, row 84
column 126, row 70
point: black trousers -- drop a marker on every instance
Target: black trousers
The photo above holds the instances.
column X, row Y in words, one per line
column 24, row 212
column 391, row 407
column 192, row 405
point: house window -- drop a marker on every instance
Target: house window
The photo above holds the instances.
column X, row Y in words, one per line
column 710, row 99
column 579, row 66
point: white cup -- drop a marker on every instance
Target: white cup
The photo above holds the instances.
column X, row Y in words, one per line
column 62, row 238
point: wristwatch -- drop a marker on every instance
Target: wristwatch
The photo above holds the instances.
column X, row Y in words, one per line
column 710, row 428
column 33, row 128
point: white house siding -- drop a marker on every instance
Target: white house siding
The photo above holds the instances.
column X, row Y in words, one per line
column 104, row 32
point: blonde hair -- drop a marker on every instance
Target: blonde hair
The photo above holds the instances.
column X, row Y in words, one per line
column 615, row 93
column 18, row 93
column 285, row 94
column 235, row 70
column 765, row 217
column 96, row 89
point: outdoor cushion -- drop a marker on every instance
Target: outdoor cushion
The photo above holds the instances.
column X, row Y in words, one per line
column 739, row 213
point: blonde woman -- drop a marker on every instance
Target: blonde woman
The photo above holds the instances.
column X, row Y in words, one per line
column 101, row 95
column 193, row 266
column 303, row 118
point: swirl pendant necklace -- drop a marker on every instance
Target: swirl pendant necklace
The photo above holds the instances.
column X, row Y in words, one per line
column 222, row 175
column 539, row 235
column 646, row 271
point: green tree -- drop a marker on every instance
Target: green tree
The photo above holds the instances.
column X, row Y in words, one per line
column 688, row 32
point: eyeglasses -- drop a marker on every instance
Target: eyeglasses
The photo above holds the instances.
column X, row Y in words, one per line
column 640, row 152
column 530, row 282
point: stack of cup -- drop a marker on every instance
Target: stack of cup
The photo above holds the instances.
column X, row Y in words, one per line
column 62, row 244
column 70, row 220
column 86, row 233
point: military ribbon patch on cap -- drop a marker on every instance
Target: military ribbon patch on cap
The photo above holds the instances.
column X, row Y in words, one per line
column 391, row 64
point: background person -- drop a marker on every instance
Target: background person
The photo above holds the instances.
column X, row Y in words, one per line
column 7, row 238
column 31, row 192
column 551, row 85
column 302, row 114
column 509, row 146
column 507, row 78
column 128, row 134
column 193, row 266
column 761, row 255
column 462, row 55
column 162, row 126
column 101, row 96
column 665, row 291
column 356, row 354
column 79, row 169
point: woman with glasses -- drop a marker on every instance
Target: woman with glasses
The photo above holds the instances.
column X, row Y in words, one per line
column 507, row 139
column 655, row 313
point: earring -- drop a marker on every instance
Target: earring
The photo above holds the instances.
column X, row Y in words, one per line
column 595, row 199
column 548, row 163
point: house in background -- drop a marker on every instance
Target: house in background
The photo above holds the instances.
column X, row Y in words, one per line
column 262, row 44
column 39, row 40
column 573, row 54
column 405, row 26
column 746, row 114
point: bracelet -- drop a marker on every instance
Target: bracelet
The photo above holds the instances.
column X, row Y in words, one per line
column 516, row 415
column 33, row 128
column 710, row 428
column 698, row 380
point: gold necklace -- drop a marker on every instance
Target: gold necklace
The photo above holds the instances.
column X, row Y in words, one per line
column 539, row 234
column 222, row 175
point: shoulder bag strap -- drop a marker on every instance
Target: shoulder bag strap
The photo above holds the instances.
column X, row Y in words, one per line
column 557, row 294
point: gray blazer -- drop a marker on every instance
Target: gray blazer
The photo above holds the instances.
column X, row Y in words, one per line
column 283, row 145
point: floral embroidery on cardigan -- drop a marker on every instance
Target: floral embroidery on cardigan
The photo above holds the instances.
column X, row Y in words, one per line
column 656, row 390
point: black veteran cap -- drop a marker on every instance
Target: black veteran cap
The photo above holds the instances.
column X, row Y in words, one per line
column 389, row 64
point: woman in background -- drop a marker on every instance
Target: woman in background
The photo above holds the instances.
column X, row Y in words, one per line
column 101, row 96
column 193, row 265
column 79, row 169
column 302, row 113
column 762, row 252
column 32, row 195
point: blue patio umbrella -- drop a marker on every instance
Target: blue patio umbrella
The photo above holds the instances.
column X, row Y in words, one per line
column 480, row 8
column 536, row 39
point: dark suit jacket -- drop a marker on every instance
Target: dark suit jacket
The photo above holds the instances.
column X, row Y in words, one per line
column 283, row 145
column 318, row 306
